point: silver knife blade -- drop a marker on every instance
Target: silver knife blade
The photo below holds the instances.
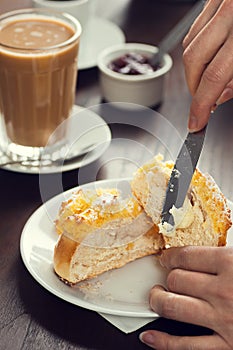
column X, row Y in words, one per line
column 182, row 173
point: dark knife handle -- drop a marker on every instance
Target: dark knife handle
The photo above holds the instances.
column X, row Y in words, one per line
column 177, row 33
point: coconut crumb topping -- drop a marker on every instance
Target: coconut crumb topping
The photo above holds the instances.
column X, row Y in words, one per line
column 95, row 207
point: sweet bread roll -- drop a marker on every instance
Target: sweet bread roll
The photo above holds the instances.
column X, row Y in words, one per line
column 100, row 231
column 204, row 218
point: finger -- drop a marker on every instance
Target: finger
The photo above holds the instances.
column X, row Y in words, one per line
column 181, row 308
column 207, row 13
column 163, row 341
column 193, row 258
column 194, row 284
column 216, row 77
column 199, row 55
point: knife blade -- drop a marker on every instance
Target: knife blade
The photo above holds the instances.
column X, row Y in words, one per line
column 182, row 174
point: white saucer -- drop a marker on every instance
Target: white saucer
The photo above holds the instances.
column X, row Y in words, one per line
column 122, row 292
column 84, row 125
column 99, row 35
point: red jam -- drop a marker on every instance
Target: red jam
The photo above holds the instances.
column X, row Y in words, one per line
column 132, row 64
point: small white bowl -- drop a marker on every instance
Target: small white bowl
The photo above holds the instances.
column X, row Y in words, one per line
column 142, row 89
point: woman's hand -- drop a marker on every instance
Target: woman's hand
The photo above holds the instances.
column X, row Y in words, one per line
column 208, row 60
column 199, row 291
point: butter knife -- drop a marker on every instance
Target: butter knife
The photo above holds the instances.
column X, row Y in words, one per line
column 182, row 174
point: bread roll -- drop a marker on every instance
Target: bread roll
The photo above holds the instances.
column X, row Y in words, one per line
column 100, row 231
column 203, row 220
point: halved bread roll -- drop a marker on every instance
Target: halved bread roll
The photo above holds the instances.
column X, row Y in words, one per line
column 203, row 220
column 101, row 231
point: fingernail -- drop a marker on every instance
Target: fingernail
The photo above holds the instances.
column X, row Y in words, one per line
column 225, row 96
column 161, row 261
column 193, row 123
column 146, row 338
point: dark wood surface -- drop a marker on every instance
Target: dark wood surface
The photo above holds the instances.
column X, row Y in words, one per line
column 31, row 317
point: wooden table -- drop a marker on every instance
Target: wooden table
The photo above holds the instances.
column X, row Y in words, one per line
column 31, row 317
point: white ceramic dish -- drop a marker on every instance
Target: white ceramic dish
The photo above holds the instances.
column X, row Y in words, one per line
column 122, row 292
column 142, row 89
column 100, row 34
column 85, row 125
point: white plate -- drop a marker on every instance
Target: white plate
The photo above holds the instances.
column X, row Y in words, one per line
column 99, row 35
column 84, row 125
column 121, row 292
